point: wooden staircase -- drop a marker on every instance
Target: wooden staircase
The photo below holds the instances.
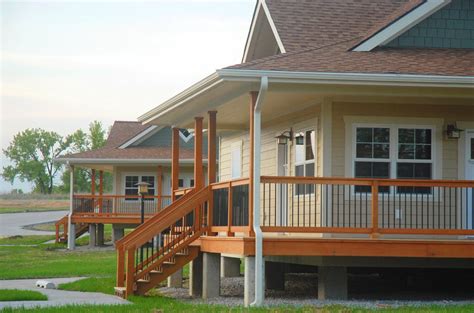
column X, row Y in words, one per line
column 161, row 246
column 62, row 224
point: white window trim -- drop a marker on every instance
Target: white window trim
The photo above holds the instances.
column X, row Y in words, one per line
column 139, row 174
column 186, row 139
column 315, row 153
column 352, row 122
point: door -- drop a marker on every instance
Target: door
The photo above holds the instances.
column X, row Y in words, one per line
column 470, row 176
column 282, row 189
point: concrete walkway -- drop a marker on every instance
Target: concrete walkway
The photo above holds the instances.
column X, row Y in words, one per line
column 11, row 224
column 57, row 297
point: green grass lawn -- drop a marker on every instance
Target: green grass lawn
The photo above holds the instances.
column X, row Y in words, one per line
column 53, row 261
column 24, row 210
column 21, row 295
column 25, row 240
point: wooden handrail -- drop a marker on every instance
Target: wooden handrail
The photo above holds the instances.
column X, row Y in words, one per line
column 89, row 196
column 368, row 181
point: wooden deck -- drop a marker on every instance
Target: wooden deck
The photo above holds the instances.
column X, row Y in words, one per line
column 349, row 247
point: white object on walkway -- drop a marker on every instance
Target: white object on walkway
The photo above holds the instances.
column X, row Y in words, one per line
column 45, row 284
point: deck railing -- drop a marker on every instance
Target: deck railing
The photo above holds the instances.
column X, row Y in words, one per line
column 368, row 206
column 230, row 206
column 118, row 204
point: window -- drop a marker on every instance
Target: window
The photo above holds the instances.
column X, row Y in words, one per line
column 131, row 187
column 397, row 152
column 305, row 150
column 180, row 183
column 414, row 157
column 372, row 155
column 472, row 148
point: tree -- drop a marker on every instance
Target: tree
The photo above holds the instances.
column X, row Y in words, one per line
column 81, row 142
column 32, row 152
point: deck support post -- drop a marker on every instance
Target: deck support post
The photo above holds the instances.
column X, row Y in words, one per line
column 195, row 276
column 211, row 280
column 92, row 235
column 71, row 236
column 198, row 173
column 332, row 283
column 174, row 162
column 117, row 233
column 249, row 280
column 100, row 234
column 275, row 275
column 230, row 267
column 175, row 280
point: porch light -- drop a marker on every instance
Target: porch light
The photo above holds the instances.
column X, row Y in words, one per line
column 283, row 138
column 142, row 188
column 453, row 132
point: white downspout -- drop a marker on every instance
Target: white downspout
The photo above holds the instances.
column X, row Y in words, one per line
column 71, row 236
column 259, row 266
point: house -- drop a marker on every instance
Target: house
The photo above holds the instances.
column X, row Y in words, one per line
column 345, row 138
column 133, row 153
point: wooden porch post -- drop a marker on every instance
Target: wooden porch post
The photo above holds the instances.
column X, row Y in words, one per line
column 211, row 161
column 198, row 173
column 93, row 182
column 174, row 161
column 101, row 189
column 253, row 101
column 159, row 188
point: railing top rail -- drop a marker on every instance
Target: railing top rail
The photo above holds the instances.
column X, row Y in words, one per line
column 368, row 181
column 96, row 196
column 231, row 183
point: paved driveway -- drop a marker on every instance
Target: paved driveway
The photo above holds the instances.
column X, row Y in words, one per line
column 11, row 224
column 56, row 297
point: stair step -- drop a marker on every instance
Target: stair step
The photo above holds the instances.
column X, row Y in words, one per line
column 120, row 291
column 143, row 281
column 154, row 272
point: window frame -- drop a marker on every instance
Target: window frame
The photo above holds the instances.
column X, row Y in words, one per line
column 305, row 162
column 140, row 176
column 394, row 159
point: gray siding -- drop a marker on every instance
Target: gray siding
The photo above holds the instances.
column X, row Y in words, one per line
column 163, row 139
column 450, row 27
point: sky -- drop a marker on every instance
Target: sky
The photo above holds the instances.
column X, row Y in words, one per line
column 67, row 63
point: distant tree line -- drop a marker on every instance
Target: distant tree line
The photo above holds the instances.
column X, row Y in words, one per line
column 32, row 153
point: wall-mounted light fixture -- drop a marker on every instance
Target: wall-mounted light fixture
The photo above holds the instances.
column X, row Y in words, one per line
column 283, row 138
column 453, row 132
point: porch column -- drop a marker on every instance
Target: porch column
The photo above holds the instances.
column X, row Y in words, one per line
column 253, row 101
column 100, row 234
column 211, row 161
column 198, row 174
column 93, row 182
column 175, row 280
column 92, row 235
column 71, row 236
column 211, row 283
column 230, row 267
column 117, row 232
column 159, row 187
column 174, row 161
column 332, row 283
column 195, row 276
column 101, row 190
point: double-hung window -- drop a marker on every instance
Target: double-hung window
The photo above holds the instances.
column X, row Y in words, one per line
column 414, row 157
column 305, row 150
column 393, row 152
column 131, row 187
column 372, row 158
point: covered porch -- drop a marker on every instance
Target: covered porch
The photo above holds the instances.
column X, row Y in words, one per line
column 307, row 197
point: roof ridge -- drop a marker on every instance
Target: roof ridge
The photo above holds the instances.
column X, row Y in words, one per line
column 284, row 55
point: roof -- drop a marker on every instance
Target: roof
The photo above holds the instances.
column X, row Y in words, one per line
column 121, row 132
column 319, row 36
column 310, row 23
column 337, row 58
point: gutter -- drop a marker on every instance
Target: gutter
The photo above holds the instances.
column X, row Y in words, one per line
column 121, row 161
column 259, row 265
